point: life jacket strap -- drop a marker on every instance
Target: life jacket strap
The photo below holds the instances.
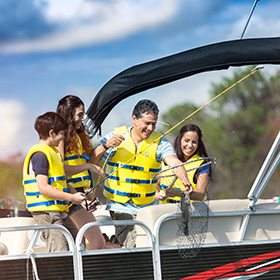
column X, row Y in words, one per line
column 172, row 201
column 132, row 181
column 132, row 167
column 47, row 203
column 77, row 157
column 38, row 193
column 51, row 180
column 128, row 194
column 79, row 179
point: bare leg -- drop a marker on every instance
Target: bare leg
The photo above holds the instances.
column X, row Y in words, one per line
column 93, row 234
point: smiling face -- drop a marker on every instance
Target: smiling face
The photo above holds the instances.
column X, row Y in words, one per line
column 79, row 116
column 189, row 144
column 144, row 126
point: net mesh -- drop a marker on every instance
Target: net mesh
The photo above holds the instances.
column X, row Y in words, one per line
column 192, row 230
column 192, row 214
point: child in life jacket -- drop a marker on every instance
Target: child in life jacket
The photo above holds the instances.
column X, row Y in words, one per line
column 46, row 191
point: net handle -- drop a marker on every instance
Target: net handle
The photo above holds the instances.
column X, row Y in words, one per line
column 210, row 159
column 172, row 183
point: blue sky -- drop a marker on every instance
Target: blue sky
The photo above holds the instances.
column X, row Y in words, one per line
column 50, row 48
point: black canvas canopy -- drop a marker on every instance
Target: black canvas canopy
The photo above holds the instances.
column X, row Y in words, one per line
column 174, row 67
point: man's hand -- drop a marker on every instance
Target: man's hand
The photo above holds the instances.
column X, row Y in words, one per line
column 179, row 171
column 115, row 141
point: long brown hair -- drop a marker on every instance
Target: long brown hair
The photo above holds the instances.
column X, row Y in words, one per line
column 201, row 150
column 66, row 108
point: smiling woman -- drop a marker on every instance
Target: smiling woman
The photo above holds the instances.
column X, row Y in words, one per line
column 77, row 151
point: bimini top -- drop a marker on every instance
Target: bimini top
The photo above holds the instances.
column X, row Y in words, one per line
column 174, row 67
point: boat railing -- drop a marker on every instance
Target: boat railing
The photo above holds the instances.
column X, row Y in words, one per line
column 29, row 252
column 265, row 210
column 266, row 171
column 81, row 252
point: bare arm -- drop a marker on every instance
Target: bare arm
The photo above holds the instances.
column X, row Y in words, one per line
column 97, row 153
column 48, row 190
column 201, row 187
column 180, row 172
column 74, row 169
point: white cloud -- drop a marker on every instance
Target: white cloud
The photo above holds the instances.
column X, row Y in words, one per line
column 85, row 23
column 17, row 133
column 193, row 89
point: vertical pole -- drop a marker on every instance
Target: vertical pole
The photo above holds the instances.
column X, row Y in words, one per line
column 252, row 10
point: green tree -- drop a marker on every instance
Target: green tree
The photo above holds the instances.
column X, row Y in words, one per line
column 179, row 112
column 239, row 128
column 245, row 130
column 11, row 181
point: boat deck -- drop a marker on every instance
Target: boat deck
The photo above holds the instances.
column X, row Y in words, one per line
column 156, row 255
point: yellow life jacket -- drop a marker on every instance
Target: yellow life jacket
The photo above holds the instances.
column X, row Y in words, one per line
column 164, row 182
column 82, row 179
column 35, row 201
column 134, row 180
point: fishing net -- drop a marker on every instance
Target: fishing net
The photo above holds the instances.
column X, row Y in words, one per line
column 192, row 215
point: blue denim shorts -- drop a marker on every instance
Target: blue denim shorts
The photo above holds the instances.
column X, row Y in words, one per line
column 75, row 207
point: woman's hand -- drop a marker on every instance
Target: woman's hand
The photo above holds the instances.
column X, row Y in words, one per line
column 161, row 196
column 96, row 169
column 189, row 187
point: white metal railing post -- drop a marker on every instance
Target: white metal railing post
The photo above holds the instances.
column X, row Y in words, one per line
column 264, row 168
column 84, row 228
column 259, row 184
column 38, row 229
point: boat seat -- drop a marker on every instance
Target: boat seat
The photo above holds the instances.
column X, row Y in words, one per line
column 221, row 226
column 17, row 242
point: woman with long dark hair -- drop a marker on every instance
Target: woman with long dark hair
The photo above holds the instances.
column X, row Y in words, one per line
column 76, row 150
column 189, row 146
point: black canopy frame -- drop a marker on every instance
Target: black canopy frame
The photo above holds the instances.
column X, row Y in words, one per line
column 158, row 72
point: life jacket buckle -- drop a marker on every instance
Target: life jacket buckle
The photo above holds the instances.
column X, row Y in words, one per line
column 135, row 181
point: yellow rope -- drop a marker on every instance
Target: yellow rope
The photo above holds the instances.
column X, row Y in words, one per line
column 201, row 107
column 103, row 167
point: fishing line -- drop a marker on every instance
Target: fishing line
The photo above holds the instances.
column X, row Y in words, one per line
column 103, row 167
column 176, row 125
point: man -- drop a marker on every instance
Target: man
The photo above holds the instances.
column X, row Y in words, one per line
column 133, row 155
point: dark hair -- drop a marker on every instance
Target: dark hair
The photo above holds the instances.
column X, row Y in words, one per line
column 66, row 108
column 145, row 106
column 49, row 121
column 201, row 150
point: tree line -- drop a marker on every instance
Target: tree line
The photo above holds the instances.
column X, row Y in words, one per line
column 238, row 129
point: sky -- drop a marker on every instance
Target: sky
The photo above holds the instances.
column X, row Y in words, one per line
column 51, row 48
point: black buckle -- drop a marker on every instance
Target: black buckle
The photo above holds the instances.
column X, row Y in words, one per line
column 135, row 181
column 133, row 167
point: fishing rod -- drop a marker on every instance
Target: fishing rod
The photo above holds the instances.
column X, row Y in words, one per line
column 257, row 68
column 250, row 15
